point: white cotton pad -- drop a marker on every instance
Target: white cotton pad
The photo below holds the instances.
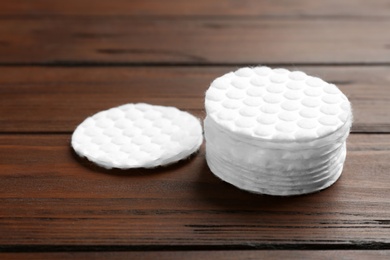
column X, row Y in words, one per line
column 137, row 135
column 275, row 131
column 276, row 105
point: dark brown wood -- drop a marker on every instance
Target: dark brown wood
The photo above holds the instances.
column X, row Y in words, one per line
column 48, row 196
column 195, row 255
column 81, row 40
column 57, row 99
column 54, row 204
column 346, row 8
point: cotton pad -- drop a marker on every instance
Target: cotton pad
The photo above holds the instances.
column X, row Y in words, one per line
column 137, row 135
column 276, row 132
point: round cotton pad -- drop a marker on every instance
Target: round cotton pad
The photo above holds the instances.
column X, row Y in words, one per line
column 276, row 132
column 137, row 136
column 276, row 105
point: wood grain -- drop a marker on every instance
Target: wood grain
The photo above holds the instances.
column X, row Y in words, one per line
column 247, row 8
column 127, row 40
column 50, row 198
column 36, row 99
column 195, row 255
column 61, row 61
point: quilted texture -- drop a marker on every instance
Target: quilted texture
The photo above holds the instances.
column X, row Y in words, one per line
column 137, row 135
column 276, row 104
column 276, row 132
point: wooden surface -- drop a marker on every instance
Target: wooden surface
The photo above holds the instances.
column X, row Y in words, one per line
column 188, row 40
column 195, row 255
column 63, row 61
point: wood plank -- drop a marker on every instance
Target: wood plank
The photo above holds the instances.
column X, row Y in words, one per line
column 50, row 197
column 40, row 99
column 83, row 40
column 195, row 255
column 197, row 8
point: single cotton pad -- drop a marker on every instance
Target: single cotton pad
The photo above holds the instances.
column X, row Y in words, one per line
column 137, row 135
column 275, row 131
column 276, row 105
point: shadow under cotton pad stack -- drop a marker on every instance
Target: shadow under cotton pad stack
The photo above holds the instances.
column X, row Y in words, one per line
column 276, row 132
column 137, row 135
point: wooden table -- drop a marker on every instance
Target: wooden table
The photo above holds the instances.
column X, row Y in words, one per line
column 62, row 61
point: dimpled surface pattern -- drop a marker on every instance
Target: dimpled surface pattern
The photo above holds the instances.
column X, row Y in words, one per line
column 137, row 135
column 276, row 132
column 276, row 104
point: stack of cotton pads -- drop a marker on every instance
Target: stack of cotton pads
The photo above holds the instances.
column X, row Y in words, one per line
column 276, row 132
column 137, row 135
